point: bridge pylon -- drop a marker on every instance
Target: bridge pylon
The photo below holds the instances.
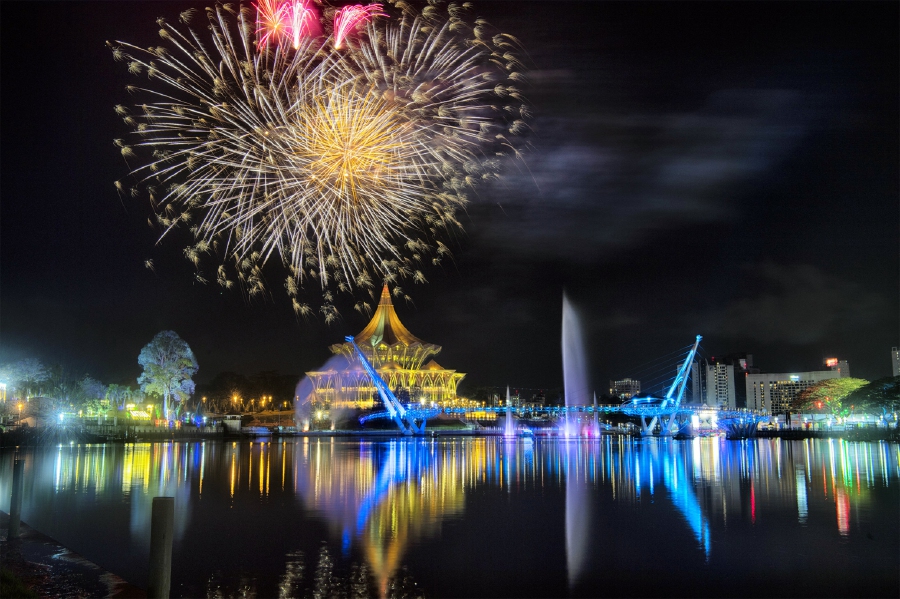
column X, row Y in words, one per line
column 405, row 421
column 663, row 411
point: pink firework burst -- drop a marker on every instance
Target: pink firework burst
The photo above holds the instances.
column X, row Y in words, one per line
column 348, row 18
column 303, row 20
column 277, row 20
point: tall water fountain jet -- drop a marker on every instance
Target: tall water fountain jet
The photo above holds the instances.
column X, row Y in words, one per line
column 574, row 365
column 577, row 489
column 509, row 428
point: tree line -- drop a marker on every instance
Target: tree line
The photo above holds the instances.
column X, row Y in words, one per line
column 166, row 383
column 844, row 396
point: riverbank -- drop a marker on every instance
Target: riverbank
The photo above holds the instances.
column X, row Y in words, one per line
column 49, row 569
column 36, row 437
column 42, row 437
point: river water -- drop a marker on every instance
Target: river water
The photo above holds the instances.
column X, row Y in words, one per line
column 482, row 517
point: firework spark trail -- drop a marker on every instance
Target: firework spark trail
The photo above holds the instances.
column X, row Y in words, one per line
column 303, row 20
column 347, row 19
column 349, row 166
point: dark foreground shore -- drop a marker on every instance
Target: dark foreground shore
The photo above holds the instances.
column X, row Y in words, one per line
column 40, row 564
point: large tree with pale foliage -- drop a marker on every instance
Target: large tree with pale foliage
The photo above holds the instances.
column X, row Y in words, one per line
column 828, row 395
column 24, row 378
column 168, row 365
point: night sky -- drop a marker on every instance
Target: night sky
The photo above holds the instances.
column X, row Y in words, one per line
column 724, row 169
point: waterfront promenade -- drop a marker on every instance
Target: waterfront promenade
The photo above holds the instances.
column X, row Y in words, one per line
column 49, row 436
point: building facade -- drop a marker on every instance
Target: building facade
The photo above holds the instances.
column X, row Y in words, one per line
column 775, row 392
column 404, row 361
column 721, row 381
column 895, row 361
column 626, row 388
column 720, row 388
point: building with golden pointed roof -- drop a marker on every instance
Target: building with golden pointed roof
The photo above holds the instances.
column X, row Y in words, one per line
column 399, row 357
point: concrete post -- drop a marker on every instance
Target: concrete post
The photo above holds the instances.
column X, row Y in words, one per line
column 15, row 504
column 162, row 527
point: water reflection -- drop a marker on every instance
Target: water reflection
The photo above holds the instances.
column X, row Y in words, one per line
column 387, row 494
column 379, row 499
column 79, row 475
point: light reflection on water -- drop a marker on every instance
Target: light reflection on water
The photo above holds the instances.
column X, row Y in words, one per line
column 247, row 513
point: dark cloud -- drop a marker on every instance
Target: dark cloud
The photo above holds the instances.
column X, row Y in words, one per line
column 623, row 179
column 614, row 321
column 798, row 304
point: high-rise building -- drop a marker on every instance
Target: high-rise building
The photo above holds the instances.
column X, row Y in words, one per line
column 895, row 361
column 775, row 392
column 842, row 367
column 626, row 388
column 721, row 381
column 720, row 391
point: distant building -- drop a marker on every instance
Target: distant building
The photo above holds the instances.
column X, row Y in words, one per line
column 626, row 388
column 720, row 389
column 721, row 381
column 842, row 367
column 775, row 392
column 895, row 361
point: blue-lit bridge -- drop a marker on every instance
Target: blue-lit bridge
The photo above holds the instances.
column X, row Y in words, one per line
column 739, row 423
column 668, row 413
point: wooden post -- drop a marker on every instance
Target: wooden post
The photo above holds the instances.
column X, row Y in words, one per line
column 162, row 527
column 15, row 504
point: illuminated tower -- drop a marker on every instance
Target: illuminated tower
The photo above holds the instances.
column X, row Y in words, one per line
column 399, row 357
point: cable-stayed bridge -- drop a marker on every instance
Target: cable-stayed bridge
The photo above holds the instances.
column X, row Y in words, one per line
column 667, row 413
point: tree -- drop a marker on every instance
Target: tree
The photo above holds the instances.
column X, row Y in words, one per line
column 93, row 392
column 118, row 395
column 62, row 391
column 25, row 376
column 168, row 365
column 224, row 387
column 879, row 396
column 828, row 395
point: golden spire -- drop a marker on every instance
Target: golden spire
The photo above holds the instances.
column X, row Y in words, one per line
column 385, row 326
